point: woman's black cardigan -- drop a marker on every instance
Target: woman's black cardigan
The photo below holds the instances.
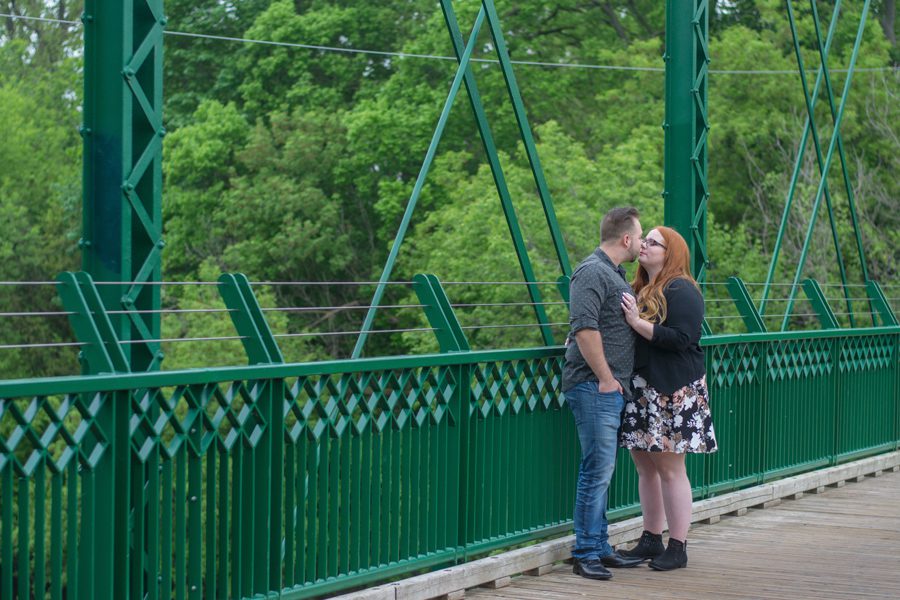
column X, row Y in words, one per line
column 673, row 358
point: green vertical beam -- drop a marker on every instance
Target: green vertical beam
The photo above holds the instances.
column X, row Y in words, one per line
column 687, row 125
column 440, row 314
column 417, row 189
column 122, row 217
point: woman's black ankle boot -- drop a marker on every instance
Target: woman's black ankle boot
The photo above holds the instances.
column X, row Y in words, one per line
column 675, row 556
column 649, row 546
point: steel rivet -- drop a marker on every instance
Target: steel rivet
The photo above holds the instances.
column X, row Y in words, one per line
column 163, row 21
column 86, row 18
column 162, row 132
column 161, row 244
column 193, row 498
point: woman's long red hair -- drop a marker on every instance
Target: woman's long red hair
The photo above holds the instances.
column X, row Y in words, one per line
column 677, row 264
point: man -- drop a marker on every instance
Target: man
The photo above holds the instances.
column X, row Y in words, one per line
column 596, row 380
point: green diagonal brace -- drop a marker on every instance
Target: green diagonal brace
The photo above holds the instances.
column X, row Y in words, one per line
column 417, row 189
column 792, row 187
column 440, row 314
column 880, row 304
column 820, row 304
column 490, row 150
column 91, row 324
column 817, row 146
column 248, row 319
column 527, row 139
column 745, row 306
column 828, row 157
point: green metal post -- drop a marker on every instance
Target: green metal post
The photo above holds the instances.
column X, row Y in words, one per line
column 880, row 305
column 819, row 302
column 745, row 306
column 440, row 314
column 686, row 126
column 248, row 320
column 122, row 217
column 92, row 326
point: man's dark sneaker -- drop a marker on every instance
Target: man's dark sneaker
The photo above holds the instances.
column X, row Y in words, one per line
column 591, row 568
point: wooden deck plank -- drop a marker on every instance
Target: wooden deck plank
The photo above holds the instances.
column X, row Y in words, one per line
column 839, row 544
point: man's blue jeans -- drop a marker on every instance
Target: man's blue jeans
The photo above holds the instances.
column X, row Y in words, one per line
column 597, row 418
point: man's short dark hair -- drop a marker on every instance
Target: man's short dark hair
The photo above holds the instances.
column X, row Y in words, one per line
column 617, row 222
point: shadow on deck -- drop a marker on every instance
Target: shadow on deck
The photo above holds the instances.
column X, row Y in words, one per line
column 842, row 543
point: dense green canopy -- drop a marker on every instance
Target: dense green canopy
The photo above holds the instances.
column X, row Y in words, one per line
column 290, row 164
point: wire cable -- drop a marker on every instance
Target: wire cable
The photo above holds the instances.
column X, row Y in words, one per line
column 395, row 54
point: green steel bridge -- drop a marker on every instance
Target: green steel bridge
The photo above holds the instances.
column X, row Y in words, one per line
column 300, row 480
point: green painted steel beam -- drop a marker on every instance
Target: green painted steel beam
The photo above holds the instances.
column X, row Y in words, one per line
column 744, row 303
column 440, row 314
column 817, row 145
column 819, row 302
column 248, row 319
column 686, row 126
column 417, row 189
column 518, row 105
column 122, row 216
column 828, row 158
column 490, row 150
column 880, row 304
column 102, row 352
column 798, row 163
column 848, row 186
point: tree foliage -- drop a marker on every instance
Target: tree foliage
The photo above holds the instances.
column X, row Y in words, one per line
column 296, row 164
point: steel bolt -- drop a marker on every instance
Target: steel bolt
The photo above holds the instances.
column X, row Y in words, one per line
column 193, row 588
column 193, row 498
column 161, row 244
column 86, row 18
column 83, row 243
column 162, row 132
column 164, row 21
column 83, row 130
column 128, row 72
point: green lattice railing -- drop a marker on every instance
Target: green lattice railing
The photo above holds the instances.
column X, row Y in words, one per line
column 307, row 479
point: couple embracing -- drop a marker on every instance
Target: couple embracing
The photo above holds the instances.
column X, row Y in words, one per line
column 635, row 377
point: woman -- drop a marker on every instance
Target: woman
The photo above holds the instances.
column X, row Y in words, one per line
column 669, row 414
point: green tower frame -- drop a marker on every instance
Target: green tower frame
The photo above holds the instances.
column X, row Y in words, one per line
column 687, row 126
column 122, row 184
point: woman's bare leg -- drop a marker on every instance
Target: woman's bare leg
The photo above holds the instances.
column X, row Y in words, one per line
column 676, row 492
column 650, row 491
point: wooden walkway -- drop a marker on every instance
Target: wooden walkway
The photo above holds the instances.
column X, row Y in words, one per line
column 843, row 543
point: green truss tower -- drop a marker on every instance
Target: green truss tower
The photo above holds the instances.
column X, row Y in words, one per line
column 122, row 223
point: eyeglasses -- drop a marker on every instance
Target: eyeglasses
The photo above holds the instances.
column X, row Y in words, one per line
column 650, row 243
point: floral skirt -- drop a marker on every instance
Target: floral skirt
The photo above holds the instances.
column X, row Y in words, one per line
column 680, row 423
